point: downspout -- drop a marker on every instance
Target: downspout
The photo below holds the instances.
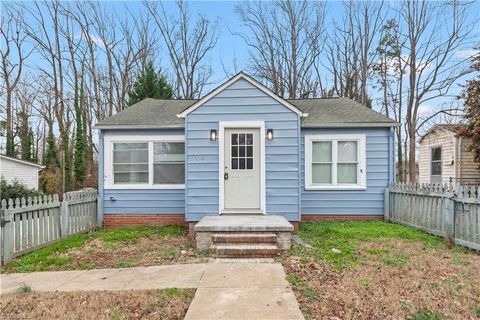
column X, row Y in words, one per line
column 300, row 187
column 186, row 139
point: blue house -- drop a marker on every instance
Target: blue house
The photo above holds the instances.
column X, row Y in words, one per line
column 242, row 150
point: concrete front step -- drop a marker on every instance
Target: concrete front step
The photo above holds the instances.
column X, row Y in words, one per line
column 235, row 250
column 253, row 238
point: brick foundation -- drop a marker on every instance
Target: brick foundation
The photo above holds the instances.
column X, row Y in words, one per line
column 336, row 217
column 130, row 220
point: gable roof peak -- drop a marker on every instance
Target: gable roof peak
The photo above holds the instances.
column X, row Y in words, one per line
column 252, row 81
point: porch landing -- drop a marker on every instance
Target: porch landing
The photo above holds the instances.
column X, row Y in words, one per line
column 243, row 236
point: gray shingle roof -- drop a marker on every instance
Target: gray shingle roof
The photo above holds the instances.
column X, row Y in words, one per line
column 148, row 113
column 336, row 112
column 329, row 112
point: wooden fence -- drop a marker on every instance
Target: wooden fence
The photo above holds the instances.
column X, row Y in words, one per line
column 444, row 210
column 33, row 223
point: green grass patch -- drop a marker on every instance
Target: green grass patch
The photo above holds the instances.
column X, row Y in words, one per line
column 50, row 257
column 24, row 289
column 298, row 283
column 367, row 283
column 125, row 264
column 174, row 293
column 398, row 261
column 476, row 311
column 337, row 242
column 460, row 262
column 425, row 315
column 377, row 251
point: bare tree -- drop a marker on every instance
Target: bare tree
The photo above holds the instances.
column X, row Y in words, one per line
column 187, row 47
column 285, row 39
column 352, row 49
column 13, row 54
column 433, row 33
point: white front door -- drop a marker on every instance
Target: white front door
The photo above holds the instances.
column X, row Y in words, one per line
column 242, row 170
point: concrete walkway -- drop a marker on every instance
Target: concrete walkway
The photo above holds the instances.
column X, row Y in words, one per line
column 224, row 290
column 156, row 277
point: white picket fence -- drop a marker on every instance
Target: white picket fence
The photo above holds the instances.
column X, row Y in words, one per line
column 33, row 223
column 444, row 210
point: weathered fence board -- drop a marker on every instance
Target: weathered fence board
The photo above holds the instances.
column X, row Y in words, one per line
column 443, row 210
column 33, row 223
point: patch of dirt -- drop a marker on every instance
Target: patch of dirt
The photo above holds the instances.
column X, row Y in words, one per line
column 394, row 280
column 146, row 251
column 142, row 304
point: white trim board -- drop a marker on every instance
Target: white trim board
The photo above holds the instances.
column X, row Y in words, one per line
column 221, row 160
column 108, row 161
column 253, row 82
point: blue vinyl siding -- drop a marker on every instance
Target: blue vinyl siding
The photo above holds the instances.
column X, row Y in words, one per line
column 140, row 201
column 379, row 148
column 284, row 167
column 243, row 102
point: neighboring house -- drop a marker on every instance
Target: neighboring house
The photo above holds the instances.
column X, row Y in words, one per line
column 23, row 171
column 444, row 157
column 242, row 149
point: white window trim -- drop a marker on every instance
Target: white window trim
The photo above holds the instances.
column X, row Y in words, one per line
column 108, row 161
column 361, row 154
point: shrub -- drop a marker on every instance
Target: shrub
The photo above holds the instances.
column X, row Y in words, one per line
column 51, row 181
column 16, row 190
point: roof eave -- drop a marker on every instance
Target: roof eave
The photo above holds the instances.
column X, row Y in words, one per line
column 352, row 125
column 136, row 126
column 39, row 166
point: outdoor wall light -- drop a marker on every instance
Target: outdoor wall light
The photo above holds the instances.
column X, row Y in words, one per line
column 270, row 134
column 213, row 135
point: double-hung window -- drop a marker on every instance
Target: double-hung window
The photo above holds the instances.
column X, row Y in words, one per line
column 145, row 162
column 436, row 165
column 335, row 162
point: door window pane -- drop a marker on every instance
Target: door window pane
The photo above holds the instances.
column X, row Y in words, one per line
column 321, row 173
column 169, row 163
column 241, row 164
column 241, row 155
column 130, row 163
column 249, row 139
column 347, row 173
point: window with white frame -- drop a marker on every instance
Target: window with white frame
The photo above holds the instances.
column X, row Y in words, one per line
column 130, row 162
column 436, row 165
column 145, row 162
column 335, row 161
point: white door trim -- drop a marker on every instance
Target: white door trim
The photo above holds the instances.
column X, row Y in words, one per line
column 221, row 159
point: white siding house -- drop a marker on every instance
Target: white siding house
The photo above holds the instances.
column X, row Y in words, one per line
column 23, row 171
column 445, row 158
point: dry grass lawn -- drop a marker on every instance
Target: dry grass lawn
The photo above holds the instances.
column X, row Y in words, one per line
column 144, row 304
column 393, row 273
column 113, row 248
